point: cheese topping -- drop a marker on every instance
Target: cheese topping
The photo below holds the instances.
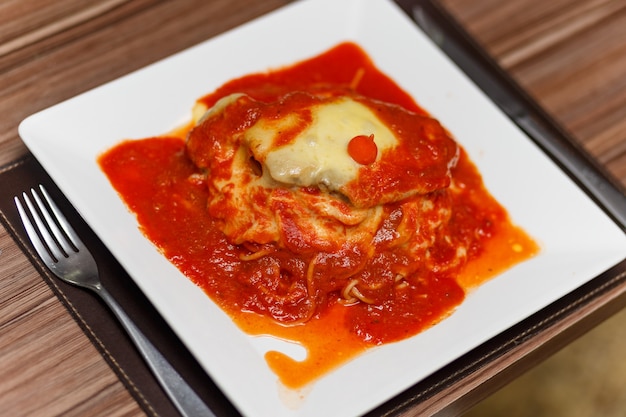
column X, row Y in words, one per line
column 319, row 154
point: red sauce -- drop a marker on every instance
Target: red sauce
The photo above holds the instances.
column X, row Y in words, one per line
column 164, row 189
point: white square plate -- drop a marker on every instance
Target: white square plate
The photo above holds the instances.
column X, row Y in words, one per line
column 578, row 240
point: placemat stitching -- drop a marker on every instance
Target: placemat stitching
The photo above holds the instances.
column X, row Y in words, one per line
column 13, row 165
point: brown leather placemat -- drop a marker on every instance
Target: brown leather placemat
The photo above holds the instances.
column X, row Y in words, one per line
column 94, row 317
column 110, row 339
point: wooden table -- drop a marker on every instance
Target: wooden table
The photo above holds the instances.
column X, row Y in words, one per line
column 570, row 55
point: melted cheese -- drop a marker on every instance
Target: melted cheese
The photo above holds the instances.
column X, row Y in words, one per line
column 318, row 155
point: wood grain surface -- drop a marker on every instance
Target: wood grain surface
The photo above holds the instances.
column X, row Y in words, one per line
column 569, row 54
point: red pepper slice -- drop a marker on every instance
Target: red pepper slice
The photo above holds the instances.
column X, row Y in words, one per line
column 363, row 149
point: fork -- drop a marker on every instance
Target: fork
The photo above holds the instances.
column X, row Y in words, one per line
column 69, row 259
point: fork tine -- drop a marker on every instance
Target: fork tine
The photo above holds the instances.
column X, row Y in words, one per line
column 67, row 238
column 65, row 225
column 39, row 245
column 46, row 228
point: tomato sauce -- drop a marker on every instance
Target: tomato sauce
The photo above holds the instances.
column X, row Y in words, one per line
column 167, row 193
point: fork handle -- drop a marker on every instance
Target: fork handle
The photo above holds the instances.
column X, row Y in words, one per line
column 180, row 393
